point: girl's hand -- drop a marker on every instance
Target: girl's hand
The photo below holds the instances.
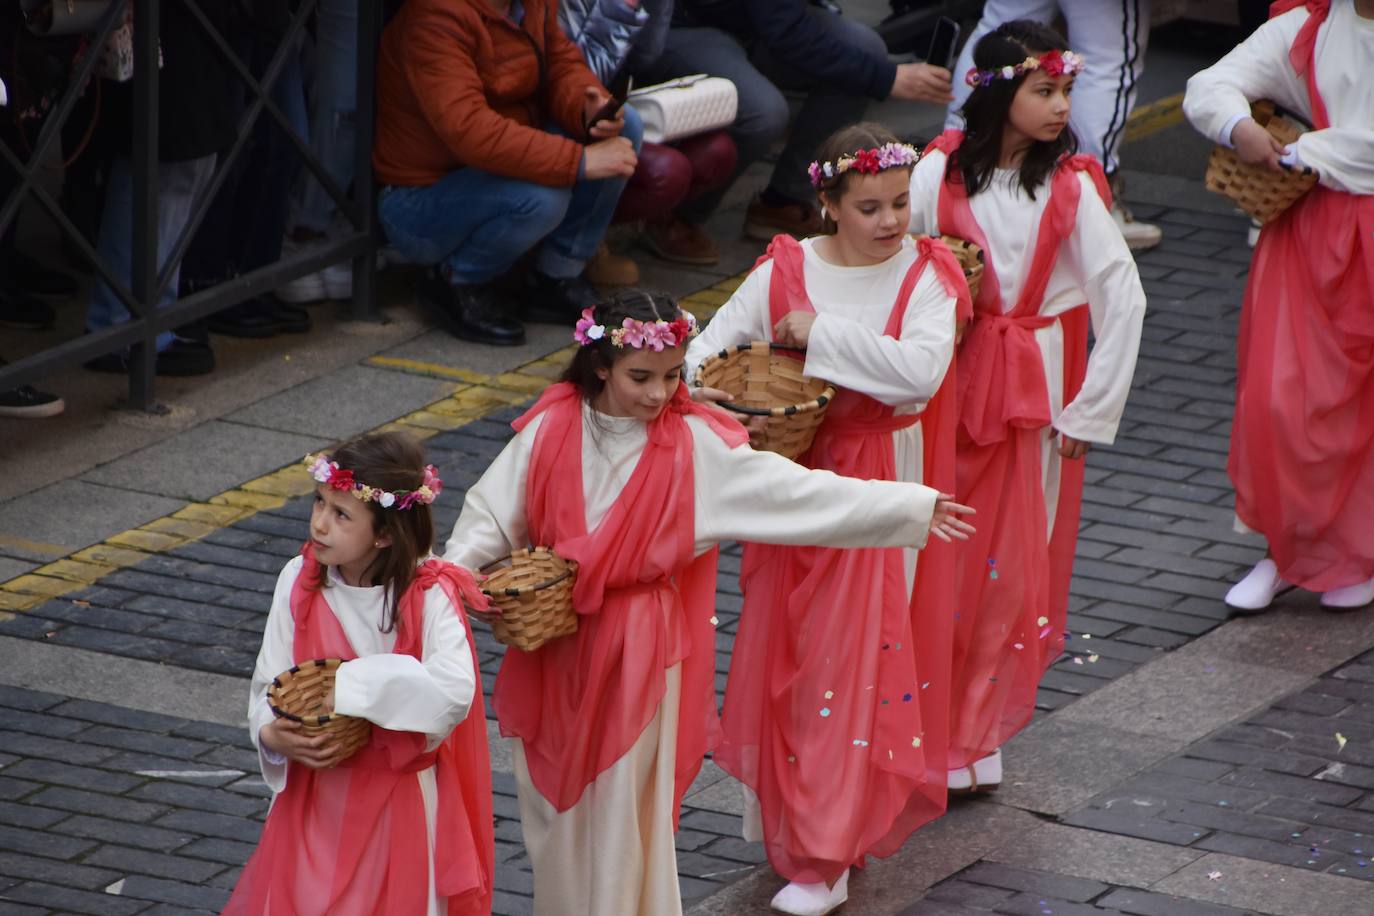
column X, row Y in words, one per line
column 1256, row 146
column 709, row 395
column 945, row 524
column 794, row 330
column 283, row 736
column 1071, row 448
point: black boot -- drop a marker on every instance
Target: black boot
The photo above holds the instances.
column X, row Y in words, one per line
column 469, row 311
column 551, row 301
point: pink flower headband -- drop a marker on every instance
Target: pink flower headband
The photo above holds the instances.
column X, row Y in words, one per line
column 328, row 472
column 865, row 161
column 1054, row 63
column 656, row 335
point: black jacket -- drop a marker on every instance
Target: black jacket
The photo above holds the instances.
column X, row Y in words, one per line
column 795, row 37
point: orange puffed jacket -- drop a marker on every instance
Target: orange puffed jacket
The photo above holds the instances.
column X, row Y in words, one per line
column 459, row 84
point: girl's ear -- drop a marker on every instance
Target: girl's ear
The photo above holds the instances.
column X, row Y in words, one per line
column 602, row 373
column 382, row 541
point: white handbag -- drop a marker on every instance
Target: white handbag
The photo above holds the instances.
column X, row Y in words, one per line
column 684, row 107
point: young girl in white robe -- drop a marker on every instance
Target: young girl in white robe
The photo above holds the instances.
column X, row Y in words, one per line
column 617, row 468
column 1031, row 399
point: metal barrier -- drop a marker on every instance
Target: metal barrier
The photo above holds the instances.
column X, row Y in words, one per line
column 139, row 334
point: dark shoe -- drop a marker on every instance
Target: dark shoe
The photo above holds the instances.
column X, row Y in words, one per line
column 681, row 242
column 551, row 301
column 251, row 320
column 28, row 403
column 183, row 358
column 469, row 311
column 24, row 312
column 764, row 220
column 28, row 275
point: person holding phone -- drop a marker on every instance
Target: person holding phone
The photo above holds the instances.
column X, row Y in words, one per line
column 494, row 141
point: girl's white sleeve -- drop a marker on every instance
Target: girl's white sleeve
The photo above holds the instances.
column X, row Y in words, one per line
column 1219, row 97
column 899, row 372
column 741, row 320
column 430, row 695
column 492, row 523
column 275, row 656
column 925, row 193
column 1342, row 157
column 748, row 495
column 1104, row 268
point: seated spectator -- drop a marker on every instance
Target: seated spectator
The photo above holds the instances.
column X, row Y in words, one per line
column 764, row 47
column 615, row 36
column 486, row 151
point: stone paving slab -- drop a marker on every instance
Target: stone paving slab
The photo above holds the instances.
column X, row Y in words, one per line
column 71, row 514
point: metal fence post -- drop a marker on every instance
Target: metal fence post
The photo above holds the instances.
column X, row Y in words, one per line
column 144, row 161
column 365, row 265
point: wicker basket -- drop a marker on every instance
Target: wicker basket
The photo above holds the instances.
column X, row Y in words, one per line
column 298, row 695
column 767, row 382
column 533, row 591
column 970, row 258
column 1256, row 190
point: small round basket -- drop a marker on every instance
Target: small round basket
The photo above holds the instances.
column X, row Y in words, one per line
column 1261, row 193
column 298, row 694
column 970, row 258
column 531, row 591
column 766, row 380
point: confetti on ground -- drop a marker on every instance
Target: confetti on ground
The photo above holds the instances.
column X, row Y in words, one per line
column 1077, row 660
column 1094, row 658
column 1214, row 875
column 1340, row 742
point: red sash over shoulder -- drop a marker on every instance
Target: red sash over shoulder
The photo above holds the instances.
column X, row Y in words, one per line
column 354, row 839
column 1010, row 577
column 1302, row 443
column 580, row 703
column 836, row 707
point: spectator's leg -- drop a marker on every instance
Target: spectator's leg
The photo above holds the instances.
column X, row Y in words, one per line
column 995, row 12
column 1112, row 36
column 762, row 114
column 660, row 182
column 707, row 162
column 333, row 111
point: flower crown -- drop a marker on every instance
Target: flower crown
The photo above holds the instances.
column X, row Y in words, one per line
column 656, row 335
column 865, row 161
column 326, row 471
column 1054, row 63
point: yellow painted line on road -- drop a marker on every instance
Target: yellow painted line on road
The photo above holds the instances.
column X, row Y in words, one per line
column 419, row 367
column 56, row 550
column 1154, row 117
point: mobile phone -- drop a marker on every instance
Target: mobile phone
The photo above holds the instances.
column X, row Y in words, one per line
column 609, row 110
column 943, row 43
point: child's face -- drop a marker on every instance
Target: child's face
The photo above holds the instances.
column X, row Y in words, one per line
column 872, row 213
column 640, row 384
column 342, row 533
column 1040, row 109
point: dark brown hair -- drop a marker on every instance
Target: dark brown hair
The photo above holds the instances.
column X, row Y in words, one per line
column 985, row 112
column 390, row 461
column 846, row 142
column 631, row 302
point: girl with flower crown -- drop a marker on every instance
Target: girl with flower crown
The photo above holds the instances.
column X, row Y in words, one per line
column 1302, row 444
column 616, row 467
column 404, row 824
column 836, row 703
column 1031, row 399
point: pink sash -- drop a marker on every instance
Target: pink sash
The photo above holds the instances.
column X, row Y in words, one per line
column 353, row 840
column 1010, row 577
column 837, row 702
column 580, row 703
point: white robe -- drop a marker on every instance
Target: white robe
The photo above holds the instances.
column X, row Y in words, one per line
column 1258, row 68
column 611, row 854
column 847, row 346
column 431, row 695
column 1094, row 266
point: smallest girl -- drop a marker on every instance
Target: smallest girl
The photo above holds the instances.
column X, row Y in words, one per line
column 404, row 825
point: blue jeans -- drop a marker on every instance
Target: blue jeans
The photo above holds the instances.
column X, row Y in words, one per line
column 333, row 112
column 179, row 185
column 478, row 224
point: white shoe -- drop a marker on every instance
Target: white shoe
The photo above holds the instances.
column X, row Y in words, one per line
column 1349, row 597
column 1257, row 590
column 812, row 899
column 983, row 775
column 1139, row 236
column 338, row 281
column 1252, row 236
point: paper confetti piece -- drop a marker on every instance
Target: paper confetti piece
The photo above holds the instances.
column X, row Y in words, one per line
column 1045, row 632
column 1340, row 742
column 1093, row 658
column 1077, row 660
column 859, row 742
column 993, row 574
column 825, row 712
column 1214, row 875
column 1087, row 636
column 1041, row 621
column 906, row 698
column 829, row 694
column 715, row 621
column 1017, row 646
column 915, row 742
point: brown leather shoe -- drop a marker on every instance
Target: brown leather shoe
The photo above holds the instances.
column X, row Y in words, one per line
column 681, row 242
column 606, row 268
column 763, row 221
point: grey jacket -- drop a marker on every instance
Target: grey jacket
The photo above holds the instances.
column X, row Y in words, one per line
column 614, row 38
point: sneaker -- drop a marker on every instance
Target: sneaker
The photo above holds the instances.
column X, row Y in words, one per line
column 28, row 403
column 606, row 268
column 762, row 221
column 25, row 313
column 182, row 359
column 812, row 899
column 469, row 311
column 1257, row 590
column 1139, row 236
column 552, row 301
column 1253, row 233
column 677, row 240
column 311, row 287
column 29, row 276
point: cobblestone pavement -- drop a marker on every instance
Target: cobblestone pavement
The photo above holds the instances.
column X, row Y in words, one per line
column 104, row 809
